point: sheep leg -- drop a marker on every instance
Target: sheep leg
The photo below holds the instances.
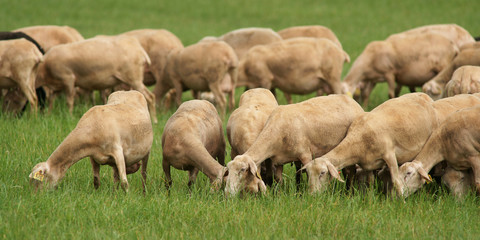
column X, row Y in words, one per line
column 168, row 177
column 219, row 96
column 365, row 93
column 298, row 173
column 475, row 163
column 398, row 88
column 288, row 97
column 30, row 94
column 120, row 163
column 96, row 173
column 392, row 164
column 144, row 171
column 278, row 173
column 70, row 95
column 192, row 176
column 233, row 72
column 391, row 84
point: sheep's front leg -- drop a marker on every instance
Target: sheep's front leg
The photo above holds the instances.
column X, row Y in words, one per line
column 192, row 176
column 392, row 164
column 120, row 164
column 144, row 172
column 475, row 162
column 96, row 173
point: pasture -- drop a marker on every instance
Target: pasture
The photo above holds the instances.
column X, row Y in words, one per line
column 76, row 211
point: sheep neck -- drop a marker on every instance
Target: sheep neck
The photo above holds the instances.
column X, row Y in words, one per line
column 69, row 152
column 431, row 153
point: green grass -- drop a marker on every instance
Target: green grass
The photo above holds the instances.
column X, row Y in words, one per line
column 76, row 211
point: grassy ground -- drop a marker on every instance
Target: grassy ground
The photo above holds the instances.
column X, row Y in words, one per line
column 76, row 211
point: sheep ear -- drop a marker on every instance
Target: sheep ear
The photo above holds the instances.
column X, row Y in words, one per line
column 261, row 186
column 253, row 167
column 333, row 171
column 424, row 175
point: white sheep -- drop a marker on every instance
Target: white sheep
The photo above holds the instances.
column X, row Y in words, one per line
column 295, row 132
column 392, row 133
column 456, row 141
column 465, row 79
column 247, row 121
column 118, row 134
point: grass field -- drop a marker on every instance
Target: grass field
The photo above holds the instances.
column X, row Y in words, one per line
column 76, row 211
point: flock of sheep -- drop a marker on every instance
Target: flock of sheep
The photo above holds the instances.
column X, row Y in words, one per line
column 322, row 135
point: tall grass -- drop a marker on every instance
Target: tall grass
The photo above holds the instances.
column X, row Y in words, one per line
column 76, row 211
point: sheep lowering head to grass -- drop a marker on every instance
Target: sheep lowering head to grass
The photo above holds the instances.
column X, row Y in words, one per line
column 118, row 134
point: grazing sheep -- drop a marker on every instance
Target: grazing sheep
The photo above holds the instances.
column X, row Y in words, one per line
column 200, row 67
column 157, row 43
column 467, row 56
column 247, row 121
column 295, row 66
column 49, row 36
column 241, row 40
column 465, row 79
column 19, row 61
column 96, row 64
column 192, row 139
column 315, row 31
column 409, row 60
column 458, row 182
column 458, row 35
column 456, row 140
column 295, row 132
column 392, row 133
column 443, row 108
column 118, row 134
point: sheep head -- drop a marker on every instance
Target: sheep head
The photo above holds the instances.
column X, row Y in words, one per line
column 242, row 176
column 41, row 177
column 320, row 171
column 459, row 182
column 414, row 176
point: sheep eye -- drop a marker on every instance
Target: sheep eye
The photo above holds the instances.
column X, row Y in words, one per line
column 408, row 173
column 243, row 169
column 323, row 173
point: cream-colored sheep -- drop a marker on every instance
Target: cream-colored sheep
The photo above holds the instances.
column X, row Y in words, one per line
column 295, row 132
column 458, row 182
column 404, row 60
column 19, row 61
column 200, row 67
column 118, row 134
column 465, row 79
column 315, row 31
column 49, row 36
column 96, row 64
column 456, row 140
column 467, row 56
column 295, row 66
column 247, row 121
column 157, row 43
column 192, row 140
column 241, row 40
column 391, row 134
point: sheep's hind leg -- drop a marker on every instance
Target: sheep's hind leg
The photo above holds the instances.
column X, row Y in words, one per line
column 96, row 173
column 192, row 176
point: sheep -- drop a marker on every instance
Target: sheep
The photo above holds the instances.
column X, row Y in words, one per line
column 456, row 141
column 315, row 31
column 295, row 132
column 455, row 33
column 96, row 64
column 49, row 36
column 247, row 121
column 19, row 61
column 465, row 79
column 392, row 133
column 467, row 56
column 409, row 60
column 443, row 108
column 118, row 134
column 458, row 182
column 157, row 43
column 241, row 40
column 295, row 66
column 200, row 67
column 192, row 139
column 46, row 37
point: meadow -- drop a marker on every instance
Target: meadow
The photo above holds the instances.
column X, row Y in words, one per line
column 76, row 211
